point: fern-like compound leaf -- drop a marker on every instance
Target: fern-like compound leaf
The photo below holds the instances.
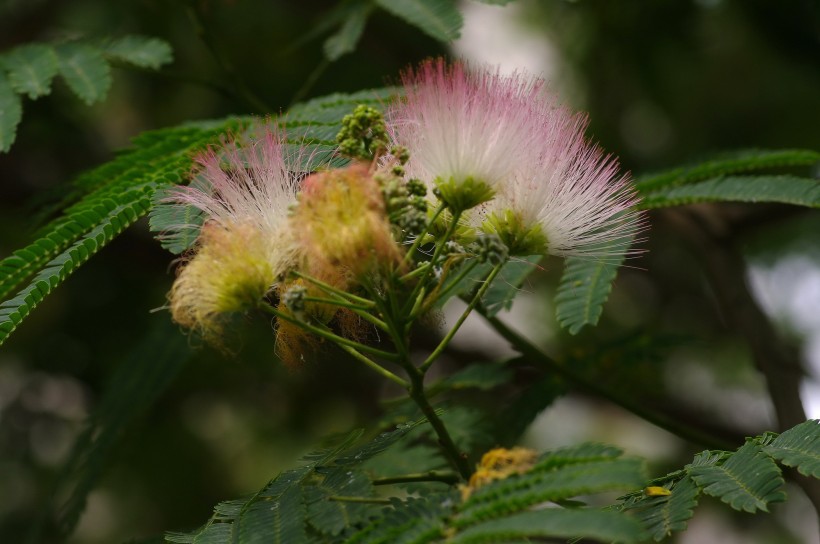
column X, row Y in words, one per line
column 748, row 160
column 327, row 512
column 415, row 520
column 281, row 521
column 113, row 197
column 799, row 447
column 11, row 112
column 548, row 482
column 664, row 515
column 143, row 51
column 781, row 189
column 748, row 480
column 85, row 71
column 439, row 19
column 583, row 291
column 344, row 40
column 30, row 68
column 602, row 525
column 501, row 293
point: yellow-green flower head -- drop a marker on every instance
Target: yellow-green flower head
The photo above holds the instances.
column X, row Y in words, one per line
column 243, row 246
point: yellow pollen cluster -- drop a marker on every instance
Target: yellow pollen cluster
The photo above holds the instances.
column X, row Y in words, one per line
column 497, row 464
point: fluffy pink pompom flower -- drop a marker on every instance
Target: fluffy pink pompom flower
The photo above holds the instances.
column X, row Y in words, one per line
column 467, row 132
column 244, row 245
column 571, row 201
column 480, row 137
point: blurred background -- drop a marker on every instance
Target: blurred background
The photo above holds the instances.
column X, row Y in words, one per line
column 664, row 83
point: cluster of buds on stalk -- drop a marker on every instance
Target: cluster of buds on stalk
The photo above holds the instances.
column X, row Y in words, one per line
column 467, row 166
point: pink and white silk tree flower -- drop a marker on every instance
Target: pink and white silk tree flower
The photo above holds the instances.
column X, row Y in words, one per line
column 244, row 244
column 466, row 132
column 572, row 201
column 504, row 142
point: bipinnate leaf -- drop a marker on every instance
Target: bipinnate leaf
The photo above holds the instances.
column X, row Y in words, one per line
column 501, row 293
column 11, row 112
column 115, row 195
column 602, row 525
column 799, row 447
column 344, row 40
column 143, row 51
column 559, row 475
column 330, row 516
column 583, row 291
column 782, row 189
column 734, row 162
column 586, row 283
column 281, row 521
column 440, row 19
column 664, row 515
column 85, row 71
column 212, row 533
column 748, row 480
column 30, row 68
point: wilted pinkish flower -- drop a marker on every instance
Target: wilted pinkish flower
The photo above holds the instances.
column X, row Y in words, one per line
column 482, row 137
column 244, row 244
column 467, row 132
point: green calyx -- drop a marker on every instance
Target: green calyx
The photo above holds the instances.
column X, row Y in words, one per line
column 519, row 238
column 462, row 194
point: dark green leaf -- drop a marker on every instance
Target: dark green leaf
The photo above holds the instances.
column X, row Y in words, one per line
column 667, row 514
column 438, row 18
column 330, row 516
column 735, row 162
column 502, row 291
column 142, row 51
column 782, row 189
column 30, row 69
column 483, row 376
column 584, row 288
column 799, row 447
column 748, row 480
column 281, row 521
column 345, row 39
column 85, row 70
column 11, row 112
column 555, row 522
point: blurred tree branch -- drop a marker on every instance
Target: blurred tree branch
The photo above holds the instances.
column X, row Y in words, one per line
column 711, row 235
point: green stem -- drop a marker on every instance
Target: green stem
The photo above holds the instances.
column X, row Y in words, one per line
column 476, row 299
column 327, row 335
column 454, row 283
column 361, row 311
column 337, row 302
column 334, row 291
column 420, row 238
column 448, row 446
column 442, row 476
column 536, row 355
column 372, row 365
